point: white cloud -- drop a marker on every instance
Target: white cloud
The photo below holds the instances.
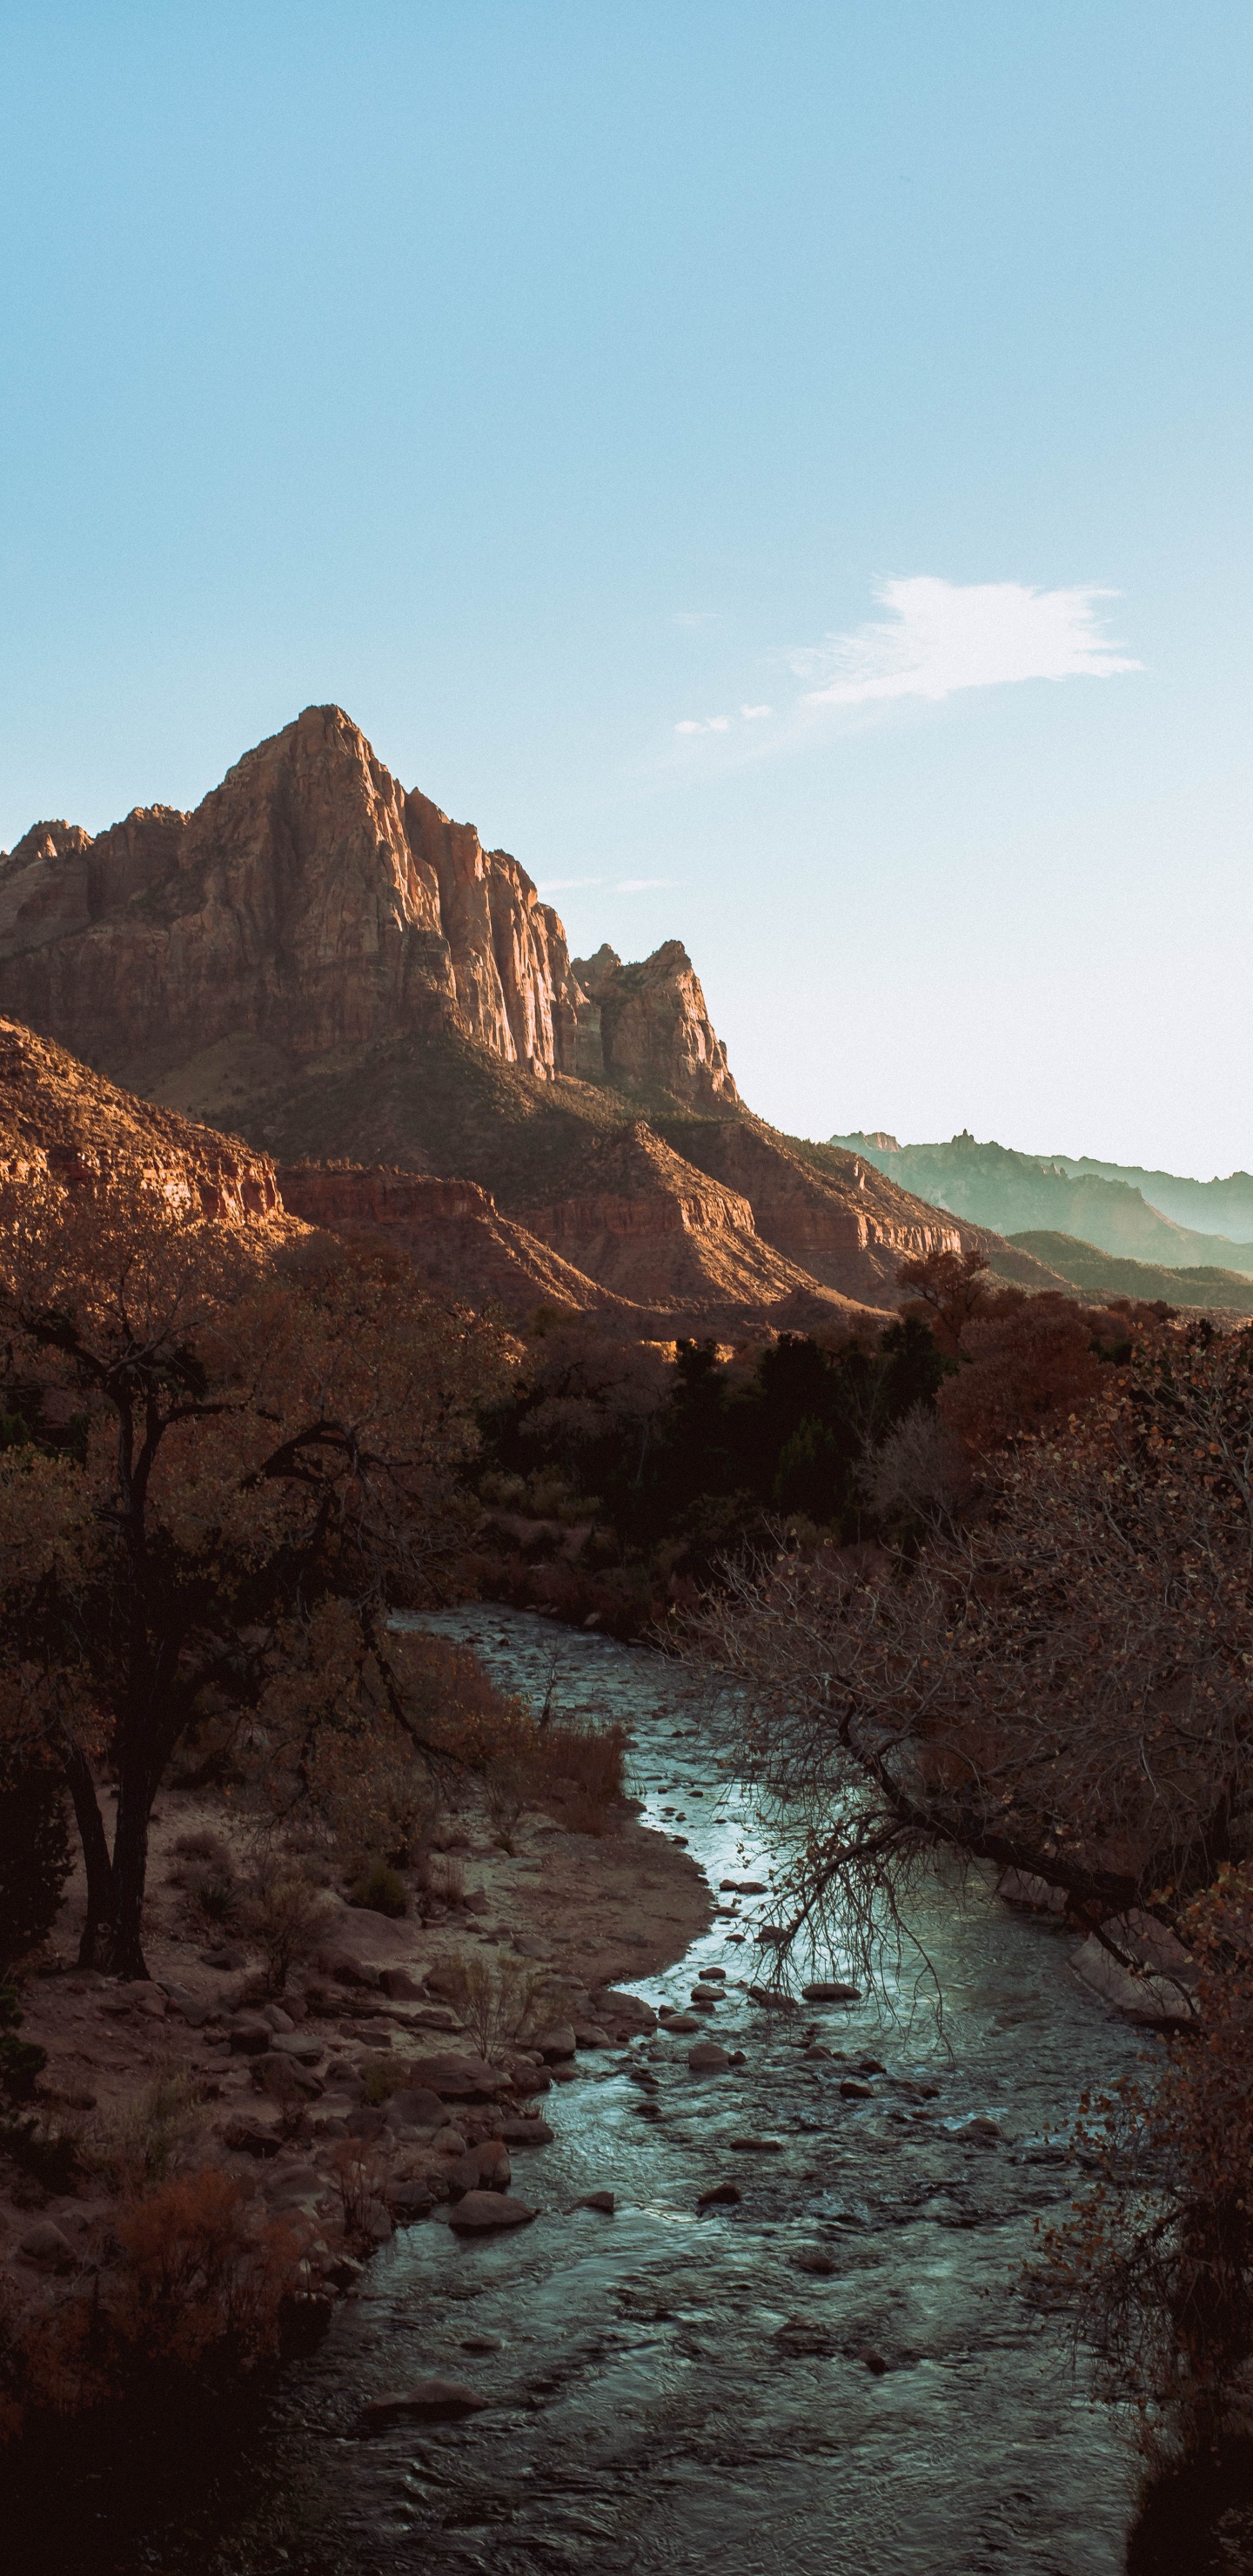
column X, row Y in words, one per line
column 566, row 885
column 945, row 635
column 750, row 714
column 641, row 885
column 712, row 724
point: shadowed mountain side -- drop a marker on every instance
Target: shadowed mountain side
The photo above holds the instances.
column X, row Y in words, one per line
column 678, row 1257
column 1082, row 1265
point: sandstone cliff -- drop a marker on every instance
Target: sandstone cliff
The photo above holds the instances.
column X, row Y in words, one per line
column 322, row 963
column 310, row 904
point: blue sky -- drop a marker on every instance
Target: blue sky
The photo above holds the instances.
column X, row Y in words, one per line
column 553, row 384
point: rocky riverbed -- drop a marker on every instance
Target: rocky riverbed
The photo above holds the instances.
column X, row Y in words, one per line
column 767, row 2316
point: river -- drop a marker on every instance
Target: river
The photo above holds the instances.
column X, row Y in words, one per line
column 681, row 2390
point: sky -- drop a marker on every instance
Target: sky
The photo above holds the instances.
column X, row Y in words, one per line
column 781, row 470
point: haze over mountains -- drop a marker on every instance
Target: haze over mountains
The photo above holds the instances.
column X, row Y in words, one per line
column 1103, row 1204
column 323, row 964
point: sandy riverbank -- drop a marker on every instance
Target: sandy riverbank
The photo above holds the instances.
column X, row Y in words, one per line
column 283, row 2090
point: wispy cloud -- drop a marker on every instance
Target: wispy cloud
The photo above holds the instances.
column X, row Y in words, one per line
column 566, row 885
column 751, row 714
column 712, row 724
column 945, row 635
column 641, row 885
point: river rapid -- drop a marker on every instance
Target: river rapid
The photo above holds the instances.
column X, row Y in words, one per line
column 672, row 2389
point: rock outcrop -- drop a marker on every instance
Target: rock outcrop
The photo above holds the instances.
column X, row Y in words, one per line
column 60, row 1122
column 321, row 963
column 308, row 905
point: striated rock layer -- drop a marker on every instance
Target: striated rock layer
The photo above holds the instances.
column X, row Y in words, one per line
column 63, row 1123
column 322, row 963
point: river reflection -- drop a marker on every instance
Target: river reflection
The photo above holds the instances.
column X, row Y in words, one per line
column 677, row 2390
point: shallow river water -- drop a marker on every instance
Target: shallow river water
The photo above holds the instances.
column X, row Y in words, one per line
column 674, row 2390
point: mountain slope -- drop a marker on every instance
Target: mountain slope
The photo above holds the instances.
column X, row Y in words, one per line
column 321, row 962
column 1102, row 1274
column 992, row 1185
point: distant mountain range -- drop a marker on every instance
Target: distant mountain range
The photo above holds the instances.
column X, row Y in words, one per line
column 1103, row 1274
column 1100, row 1204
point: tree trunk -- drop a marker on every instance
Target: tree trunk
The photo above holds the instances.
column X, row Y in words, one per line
column 92, row 1836
column 130, row 1870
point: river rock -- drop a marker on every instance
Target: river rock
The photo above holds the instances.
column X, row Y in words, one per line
column 741, row 1887
column 679, row 2023
column 719, row 2195
column 426, row 2398
column 706, row 1995
column 855, row 2089
column 815, row 2258
column 483, row 2168
column 414, row 2107
column 758, row 2146
column 831, row 1990
column 482, row 2210
column 708, row 2059
column 557, row 2042
column 527, row 2133
column 589, row 2034
column 460, row 2078
column 602, row 2200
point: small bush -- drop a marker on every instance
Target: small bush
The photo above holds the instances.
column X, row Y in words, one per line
column 502, row 2002
column 445, row 1879
column 286, row 1914
column 135, row 2152
column 381, row 2076
column 203, row 2271
column 380, row 1890
column 577, row 1772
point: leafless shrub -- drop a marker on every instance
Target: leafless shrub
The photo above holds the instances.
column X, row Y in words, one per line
column 502, row 2002
column 286, row 1914
column 918, row 1472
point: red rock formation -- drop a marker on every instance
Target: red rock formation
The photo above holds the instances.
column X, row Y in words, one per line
column 459, row 1244
column 61, row 1121
column 311, row 904
column 652, row 1028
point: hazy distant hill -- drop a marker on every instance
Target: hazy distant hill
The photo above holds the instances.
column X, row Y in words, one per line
column 1225, row 1207
column 1102, row 1274
column 992, row 1185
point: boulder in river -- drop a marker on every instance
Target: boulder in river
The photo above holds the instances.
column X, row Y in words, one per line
column 720, row 2195
column 708, row 2058
column 831, row 1990
column 601, row 2200
column 481, row 2211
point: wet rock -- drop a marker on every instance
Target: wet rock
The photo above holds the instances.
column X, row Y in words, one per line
column 706, row 1995
column 410, row 2201
column 622, row 2011
column 589, row 2034
column 772, row 1935
column 855, row 2089
column 874, row 2360
column 816, row 2259
column 720, row 2195
column 679, row 2023
column 482, row 2211
column 713, row 1976
column 482, row 2168
column 449, row 2142
column 758, row 2146
column 527, row 2133
column 708, row 2059
column 482, row 2343
column 741, row 1887
column 647, row 2110
column 831, row 1990
column 981, row 2131
column 427, row 2398
column 771, row 1997
column 602, row 2200
column 45, row 2245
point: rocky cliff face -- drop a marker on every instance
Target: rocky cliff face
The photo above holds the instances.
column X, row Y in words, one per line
column 320, row 962
column 311, row 904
